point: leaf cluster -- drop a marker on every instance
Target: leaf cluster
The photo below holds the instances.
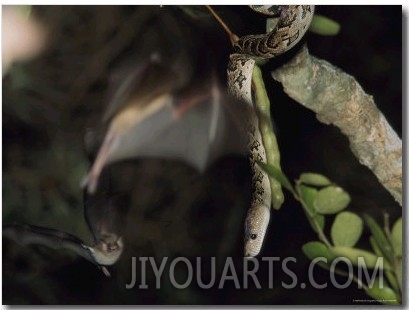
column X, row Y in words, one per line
column 320, row 198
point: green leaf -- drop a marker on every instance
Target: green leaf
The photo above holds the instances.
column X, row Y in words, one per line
column 368, row 259
column 278, row 175
column 331, row 199
column 396, row 235
column 375, row 246
column 399, row 273
column 382, row 294
column 380, row 237
column 389, row 274
column 324, row 26
column 307, row 196
column 314, row 179
column 314, row 249
column 392, row 280
column 346, row 229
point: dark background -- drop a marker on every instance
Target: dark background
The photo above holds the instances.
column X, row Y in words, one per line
column 173, row 210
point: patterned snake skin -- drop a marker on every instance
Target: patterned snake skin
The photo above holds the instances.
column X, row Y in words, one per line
column 293, row 22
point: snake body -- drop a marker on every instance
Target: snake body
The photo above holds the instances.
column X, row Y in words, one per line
column 293, row 22
column 258, row 215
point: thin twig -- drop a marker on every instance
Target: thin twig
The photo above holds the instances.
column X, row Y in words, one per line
column 233, row 37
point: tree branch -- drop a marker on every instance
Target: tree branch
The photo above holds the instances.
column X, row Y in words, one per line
column 338, row 99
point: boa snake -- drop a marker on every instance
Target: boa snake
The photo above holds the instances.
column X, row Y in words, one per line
column 293, row 22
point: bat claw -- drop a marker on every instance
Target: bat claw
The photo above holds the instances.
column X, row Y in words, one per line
column 105, row 271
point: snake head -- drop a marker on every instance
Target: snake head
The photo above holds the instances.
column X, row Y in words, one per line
column 255, row 229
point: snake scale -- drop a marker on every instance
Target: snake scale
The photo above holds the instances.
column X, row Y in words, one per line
column 293, row 22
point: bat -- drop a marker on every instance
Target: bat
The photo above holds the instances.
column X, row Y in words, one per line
column 164, row 106
column 197, row 131
column 100, row 255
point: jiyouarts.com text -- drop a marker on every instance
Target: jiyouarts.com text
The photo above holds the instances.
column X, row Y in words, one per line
column 244, row 275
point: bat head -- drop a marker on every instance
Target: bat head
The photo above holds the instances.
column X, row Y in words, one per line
column 107, row 252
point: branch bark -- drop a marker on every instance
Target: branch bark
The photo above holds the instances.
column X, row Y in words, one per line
column 338, row 99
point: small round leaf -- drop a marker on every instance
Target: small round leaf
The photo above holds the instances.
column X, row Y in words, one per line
column 331, row 199
column 314, row 179
column 346, row 229
column 316, row 249
column 358, row 257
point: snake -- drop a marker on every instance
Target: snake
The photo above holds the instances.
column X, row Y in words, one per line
column 293, row 22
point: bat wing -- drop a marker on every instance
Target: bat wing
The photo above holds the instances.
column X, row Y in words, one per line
column 30, row 234
column 204, row 132
column 99, row 254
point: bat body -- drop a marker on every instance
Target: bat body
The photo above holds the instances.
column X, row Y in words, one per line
column 102, row 254
column 164, row 106
column 196, row 130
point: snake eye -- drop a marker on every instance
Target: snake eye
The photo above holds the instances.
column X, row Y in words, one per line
column 253, row 236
